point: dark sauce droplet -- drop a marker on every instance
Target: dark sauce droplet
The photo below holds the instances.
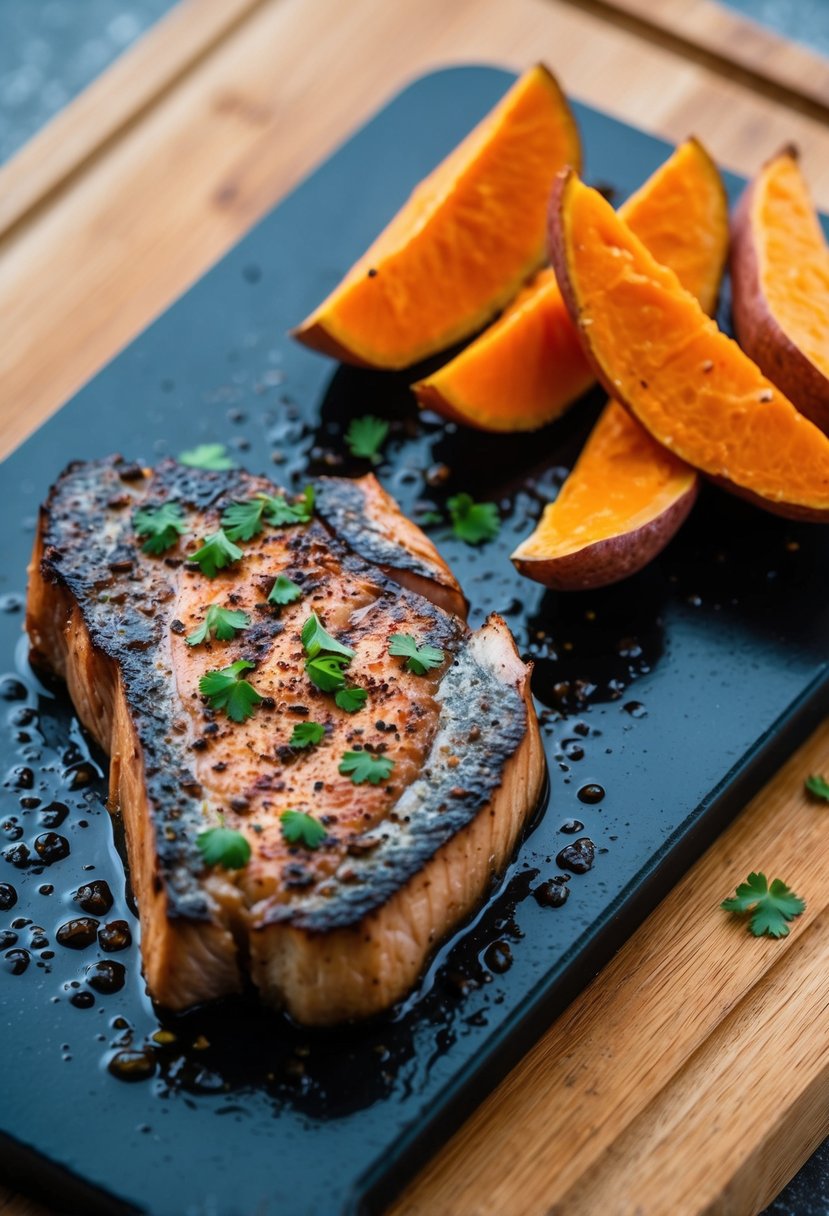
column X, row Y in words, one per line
column 17, row 961
column 82, row 1000
column 635, row 708
column 552, row 894
column 8, row 896
column 50, row 847
column 115, row 936
column 577, row 857
column 591, row 794
column 94, row 897
column 7, row 939
column 53, row 815
column 12, row 689
column 106, row 977
column 78, row 933
column 132, row 1065
column 571, row 826
column 498, row 957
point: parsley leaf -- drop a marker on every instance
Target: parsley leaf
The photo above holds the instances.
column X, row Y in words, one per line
column 366, row 436
column 472, row 521
column 818, row 786
column 223, row 623
column 363, row 766
column 327, row 671
column 351, row 699
column 207, row 456
column 307, row 734
column 162, row 526
column 223, row 847
column 243, row 520
column 216, row 553
column 278, row 511
column 770, row 906
column 298, row 827
column 419, row 659
column 284, row 590
column 317, row 640
column 225, row 690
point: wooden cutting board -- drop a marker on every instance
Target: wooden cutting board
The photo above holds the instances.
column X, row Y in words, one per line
column 689, row 1077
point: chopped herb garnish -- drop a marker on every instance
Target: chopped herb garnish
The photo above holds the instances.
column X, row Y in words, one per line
column 225, row 690
column 298, row 827
column 162, row 526
column 429, row 517
column 818, row 786
column 223, row 847
column 327, row 671
column 216, row 553
column 278, row 511
column 366, row 436
column 284, row 591
column 351, row 699
column 419, row 659
column 363, row 766
column 317, row 640
column 207, row 456
column 771, row 907
column 223, row 623
column 307, row 734
column 243, row 520
column 472, row 521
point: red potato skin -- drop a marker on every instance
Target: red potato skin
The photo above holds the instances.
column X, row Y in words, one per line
column 558, row 259
column 611, row 560
column 758, row 330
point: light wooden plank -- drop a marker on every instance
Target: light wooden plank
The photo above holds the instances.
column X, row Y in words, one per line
column 137, row 80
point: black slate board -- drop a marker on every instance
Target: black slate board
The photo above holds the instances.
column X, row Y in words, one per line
column 678, row 691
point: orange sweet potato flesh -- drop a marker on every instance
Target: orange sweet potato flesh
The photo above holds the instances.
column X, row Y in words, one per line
column 624, row 500
column 780, row 285
column 470, row 235
column 529, row 367
column 690, row 385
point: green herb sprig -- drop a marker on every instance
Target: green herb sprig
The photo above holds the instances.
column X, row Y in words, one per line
column 162, row 526
column 221, row 846
column 223, row 623
column 365, row 767
column 771, row 906
column 226, row 690
column 419, row 659
column 298, row 827
column 365, row 437
column 217, row 552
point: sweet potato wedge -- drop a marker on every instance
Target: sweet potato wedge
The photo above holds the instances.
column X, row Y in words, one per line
column 622, row 503
column 660, row 355
column 529, row 367
column 780, row 285
column 470, row 235
column 627, row 495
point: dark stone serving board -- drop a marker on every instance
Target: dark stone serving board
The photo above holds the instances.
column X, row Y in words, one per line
column 679, row 692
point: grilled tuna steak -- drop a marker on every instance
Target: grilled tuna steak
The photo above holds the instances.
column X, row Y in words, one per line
column 330, row 932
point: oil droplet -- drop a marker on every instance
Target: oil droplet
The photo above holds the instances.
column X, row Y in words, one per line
column 12, row 689
column 82, row 1000
column 17, row 961
column 578, row 856
column 94, row 897
column 106, row 977
column 53, row 815
column 498, row 957
column 7, row 938
column 79, row 933
column 591, row 794
column 132, row 1065
column 552, row 894
column 571, row 826
column 8, row 896
column 50, row 847
column 114, row 936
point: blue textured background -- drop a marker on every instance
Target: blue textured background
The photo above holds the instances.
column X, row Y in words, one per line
column 51, row 49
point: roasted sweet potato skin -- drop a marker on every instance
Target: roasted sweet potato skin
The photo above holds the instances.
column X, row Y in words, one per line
column 613, row 559
column 727, row 420
column 761, row 333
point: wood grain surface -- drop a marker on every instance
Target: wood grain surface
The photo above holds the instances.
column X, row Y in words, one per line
column 634, row 1101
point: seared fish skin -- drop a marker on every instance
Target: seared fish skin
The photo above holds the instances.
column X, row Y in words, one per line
column 341, row 931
